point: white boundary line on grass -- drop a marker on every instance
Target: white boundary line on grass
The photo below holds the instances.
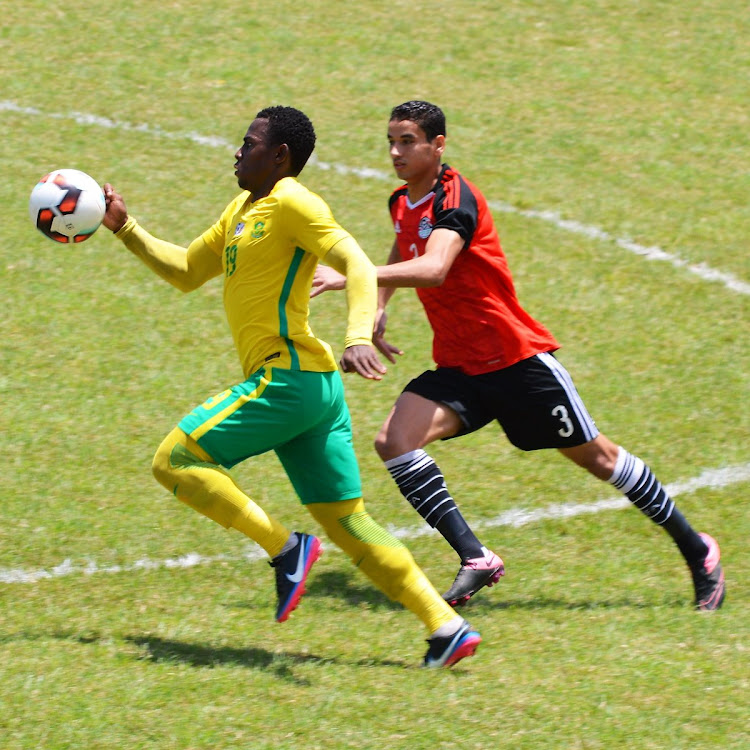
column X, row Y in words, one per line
column 652, row 252
column 516, row 517
column 712, row 478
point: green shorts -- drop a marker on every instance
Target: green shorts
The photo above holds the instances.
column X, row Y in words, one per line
column 301, row 415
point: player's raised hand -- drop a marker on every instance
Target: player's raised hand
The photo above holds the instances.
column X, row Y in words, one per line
column 378, row 338
column 326, row 279
column 363, row 359
column 116, row 214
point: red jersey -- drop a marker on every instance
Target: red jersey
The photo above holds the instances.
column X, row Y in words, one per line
column 477, row 322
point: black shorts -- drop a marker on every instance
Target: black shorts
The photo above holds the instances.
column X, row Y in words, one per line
column 534, row 401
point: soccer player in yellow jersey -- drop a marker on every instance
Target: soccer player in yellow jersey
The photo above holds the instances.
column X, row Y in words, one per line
column 266, row 245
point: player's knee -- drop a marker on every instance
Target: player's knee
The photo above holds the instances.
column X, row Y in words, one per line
column 598, row 457
column 388, row 445
column 161, row 465
column 380, row 444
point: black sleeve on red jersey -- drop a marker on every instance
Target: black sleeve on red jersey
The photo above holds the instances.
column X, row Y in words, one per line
column 395, row 195
column 455, row 208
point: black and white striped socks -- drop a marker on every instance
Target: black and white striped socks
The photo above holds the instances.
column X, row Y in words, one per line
column 422, row 483
column 637, row 482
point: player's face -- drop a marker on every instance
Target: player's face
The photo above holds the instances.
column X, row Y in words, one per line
column 414, row 157
column 255, row 160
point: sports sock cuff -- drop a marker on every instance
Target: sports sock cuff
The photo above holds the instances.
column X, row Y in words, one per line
column 290, row 543
column 449, row 628
column 405, row 458
column 628, row 471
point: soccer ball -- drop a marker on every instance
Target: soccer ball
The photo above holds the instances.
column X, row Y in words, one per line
column 67, row 205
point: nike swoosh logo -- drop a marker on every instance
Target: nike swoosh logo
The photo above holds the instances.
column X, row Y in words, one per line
column 462, row 631
column 296, row 577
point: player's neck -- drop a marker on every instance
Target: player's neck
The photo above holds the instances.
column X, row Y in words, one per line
column 264, row 189
column 423, row 185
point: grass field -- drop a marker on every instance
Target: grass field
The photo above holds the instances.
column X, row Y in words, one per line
column 612, row 140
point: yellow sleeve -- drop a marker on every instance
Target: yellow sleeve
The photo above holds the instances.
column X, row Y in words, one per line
column 309, row 221
column 348, row 258
column 185, row 268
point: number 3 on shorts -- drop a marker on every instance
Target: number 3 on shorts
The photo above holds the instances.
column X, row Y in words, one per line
column 562, row 414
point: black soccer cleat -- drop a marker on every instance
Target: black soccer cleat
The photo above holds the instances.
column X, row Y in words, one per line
column 445, row 651
column 708, row 578
column 473, row 575
column 291, row 573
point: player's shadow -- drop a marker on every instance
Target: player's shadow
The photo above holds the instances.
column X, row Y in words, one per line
column 357, row 591
column 197, row 655
column 280, row 664
column 347, row 588
column 485, row 602
column 353, row 589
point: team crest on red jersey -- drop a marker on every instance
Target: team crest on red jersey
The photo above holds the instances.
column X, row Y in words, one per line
column 425, row 228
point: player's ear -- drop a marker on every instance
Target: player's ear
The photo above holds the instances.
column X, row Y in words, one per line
column 283, row 154
column 439, row 144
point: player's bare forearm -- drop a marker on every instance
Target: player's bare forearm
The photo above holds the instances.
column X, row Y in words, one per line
column 426, row 270
column 388, row 350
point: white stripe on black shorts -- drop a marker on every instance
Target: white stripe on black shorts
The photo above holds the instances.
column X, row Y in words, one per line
column 534, row 401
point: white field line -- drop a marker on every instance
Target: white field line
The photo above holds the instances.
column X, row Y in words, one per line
column 652, row 252
column 516, row 517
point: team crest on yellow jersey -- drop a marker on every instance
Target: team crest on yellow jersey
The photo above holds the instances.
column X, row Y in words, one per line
column 258, row 229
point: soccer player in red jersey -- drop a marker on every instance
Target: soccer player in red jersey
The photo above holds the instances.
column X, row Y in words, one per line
column 494, row 362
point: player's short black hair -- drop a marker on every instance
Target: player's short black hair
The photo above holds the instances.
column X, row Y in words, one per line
column 428, row 116
column 289, row 125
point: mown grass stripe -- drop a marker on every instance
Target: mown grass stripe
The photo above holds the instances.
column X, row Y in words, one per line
column 515, row 517
column 649, row 252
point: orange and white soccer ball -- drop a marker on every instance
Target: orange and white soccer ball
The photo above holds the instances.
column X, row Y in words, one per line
column 67, row 205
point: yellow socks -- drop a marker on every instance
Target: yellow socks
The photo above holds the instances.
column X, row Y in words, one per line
column 383, row 559
column 187, row 471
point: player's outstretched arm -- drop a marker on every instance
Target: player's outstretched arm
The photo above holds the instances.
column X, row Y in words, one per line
column 328, row 279
column 348, row 258
column 184, row 268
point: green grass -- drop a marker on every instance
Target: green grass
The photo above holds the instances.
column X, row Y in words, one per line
column 624, row 116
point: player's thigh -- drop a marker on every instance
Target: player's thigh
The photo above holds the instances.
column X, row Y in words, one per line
column 436, row 405
column 320, row 461
column 538, row 406
column 245, row 420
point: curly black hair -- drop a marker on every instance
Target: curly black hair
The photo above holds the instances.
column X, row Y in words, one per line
column 290, row 126
column 428, row 116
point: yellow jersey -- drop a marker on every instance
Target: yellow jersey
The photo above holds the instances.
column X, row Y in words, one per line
column 269, row 249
